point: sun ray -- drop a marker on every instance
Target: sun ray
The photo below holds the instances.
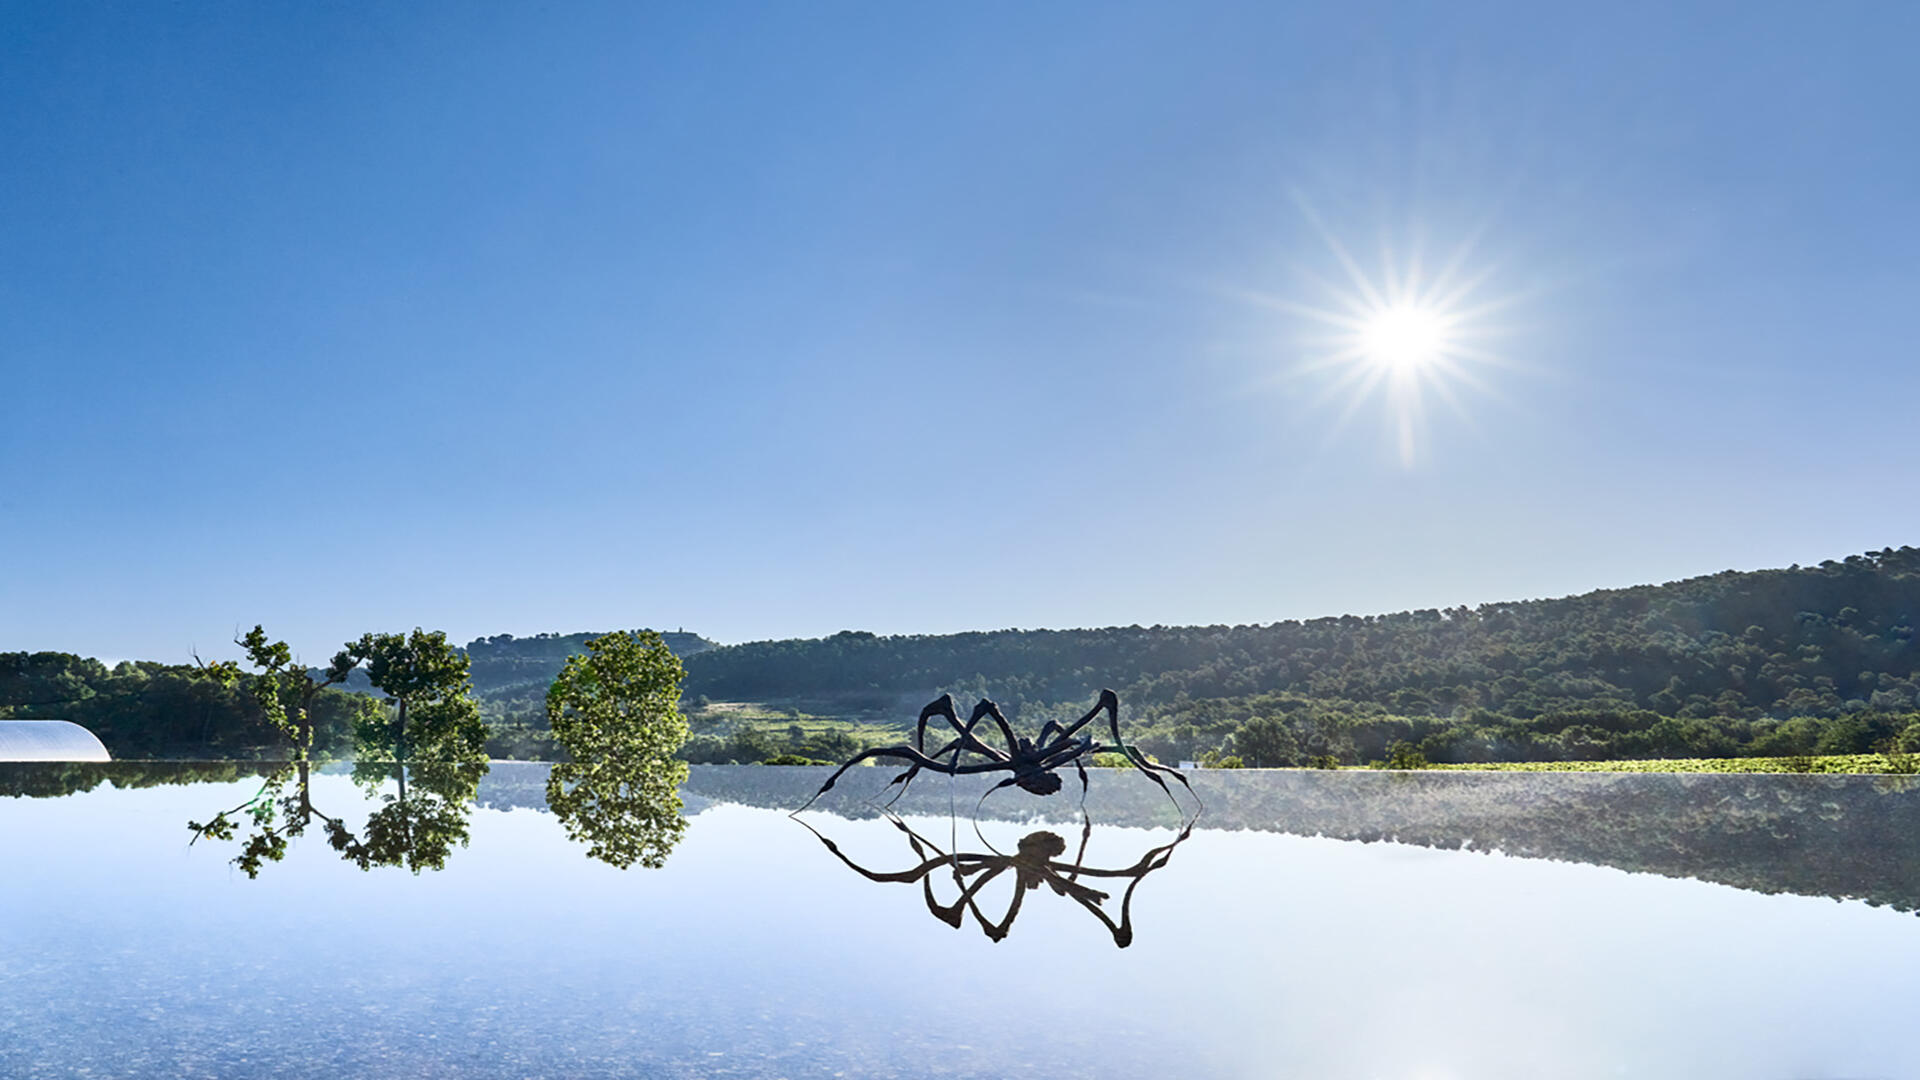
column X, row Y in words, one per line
column 1354, row 402
column 1414, row 334
column 1354, row 273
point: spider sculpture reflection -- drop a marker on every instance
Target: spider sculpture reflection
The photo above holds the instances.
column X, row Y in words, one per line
column 1037, row 862
column 1031, row 761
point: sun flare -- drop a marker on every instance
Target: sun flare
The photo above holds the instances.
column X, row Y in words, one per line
column 1411, row 334
column 1404, row 338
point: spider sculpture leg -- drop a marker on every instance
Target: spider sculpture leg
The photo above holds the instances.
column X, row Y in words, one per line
column 965, row 740
column 1057, row 753
column 907, row 754
column 1153, row 860
column 1110, row 704
column 951, row 915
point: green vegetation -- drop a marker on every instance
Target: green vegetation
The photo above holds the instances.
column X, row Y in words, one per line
column 1862, row 764
column 433, row 715
column 416, row 827
column 1404, row 756
column 428, row 741
column 284, row 693
column 510, row 680
column 741, row 742
column 1776, row 663
column 147, row 710
column 795, row 759
column 615, row 710
column 1804, row 662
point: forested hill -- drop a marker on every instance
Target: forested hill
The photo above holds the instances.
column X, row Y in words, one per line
column 1766, row 663
column 504, row 665
column 146, row 709
column 1803, row 641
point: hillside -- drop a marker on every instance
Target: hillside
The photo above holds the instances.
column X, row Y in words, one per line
column 511, row 676
column 1711, row 664
column 1797, row 661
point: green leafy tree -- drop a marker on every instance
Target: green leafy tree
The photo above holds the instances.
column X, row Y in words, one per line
column 615, row 709
column 431, row 744
column 434, row 717
column 1266, row 742
column 1403, row 755
column 285, row 691
column 750, row 743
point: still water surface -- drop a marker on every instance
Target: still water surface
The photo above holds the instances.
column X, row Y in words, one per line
column 1342, row 925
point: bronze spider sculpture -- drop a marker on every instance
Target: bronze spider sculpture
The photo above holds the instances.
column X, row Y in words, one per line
column 1033, row 762
column 1036, row 863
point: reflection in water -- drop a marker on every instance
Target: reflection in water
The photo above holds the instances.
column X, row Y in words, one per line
column 54, row 779
column 1035, row 863
column 624, row 812
column 752, row 957
column 625, row 815
column 1844, row 837
column 416, row 826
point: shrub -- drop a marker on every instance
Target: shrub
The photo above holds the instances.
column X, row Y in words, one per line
column 1403, row 755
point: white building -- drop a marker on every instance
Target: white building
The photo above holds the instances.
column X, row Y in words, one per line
column 49, row 740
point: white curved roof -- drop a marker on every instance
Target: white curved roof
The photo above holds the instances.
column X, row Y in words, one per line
column 49, row 740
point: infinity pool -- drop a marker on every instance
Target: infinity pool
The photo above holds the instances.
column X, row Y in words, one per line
column 1358, row 925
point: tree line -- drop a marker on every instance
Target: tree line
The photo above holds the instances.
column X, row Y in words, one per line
column 1798, row 660
column 1802, row 660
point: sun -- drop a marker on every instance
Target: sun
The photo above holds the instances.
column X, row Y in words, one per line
column 1404, row 338
column 1412, row 333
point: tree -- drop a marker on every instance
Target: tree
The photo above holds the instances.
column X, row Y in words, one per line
column 1404, row 755
column 750, row 743
column 286, row 691
column 615, row 709
column 1266, row 741
column 434, row 715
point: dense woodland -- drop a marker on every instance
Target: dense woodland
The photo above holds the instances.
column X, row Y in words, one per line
column 150, row 710
column 510, row 679
column 1803, row 660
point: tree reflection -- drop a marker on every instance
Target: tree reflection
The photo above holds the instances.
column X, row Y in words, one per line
column 1036, row 862
column 420, row 821
column 428, row 741
column 626, row 812
column 416, row 826
column 277, row 815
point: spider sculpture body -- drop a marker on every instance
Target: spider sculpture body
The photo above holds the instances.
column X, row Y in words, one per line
column 1034, row 764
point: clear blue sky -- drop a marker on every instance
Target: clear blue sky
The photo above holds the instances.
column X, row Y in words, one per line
column 775, row 321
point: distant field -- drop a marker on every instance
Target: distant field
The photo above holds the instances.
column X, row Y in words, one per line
column 728, row 716
column 1836, row 763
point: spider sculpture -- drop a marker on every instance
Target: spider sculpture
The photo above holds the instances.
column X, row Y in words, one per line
column 1032, row 762
column 1038, row 862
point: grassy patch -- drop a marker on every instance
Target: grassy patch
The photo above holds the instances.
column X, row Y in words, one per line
column 1833, row 763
